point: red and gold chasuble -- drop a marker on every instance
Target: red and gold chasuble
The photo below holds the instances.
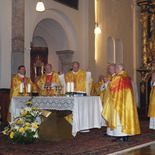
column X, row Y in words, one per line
column 47, row 78
column 24, row 88
column 22, row 79
column 15, row 85
column 15, row 88
column 119, row 100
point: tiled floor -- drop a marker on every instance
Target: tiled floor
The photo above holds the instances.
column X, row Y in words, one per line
column 147, row 150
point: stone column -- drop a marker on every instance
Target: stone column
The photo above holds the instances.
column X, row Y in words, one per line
column 65, row 57
column 17, row 57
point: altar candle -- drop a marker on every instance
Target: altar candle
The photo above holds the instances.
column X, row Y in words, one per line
column 21, row 88
column 35, row 70
column 42, row 69
column 68, row 86
column 72, row 86
column 29, row 88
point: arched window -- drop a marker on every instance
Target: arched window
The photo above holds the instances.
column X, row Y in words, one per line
column 119, row 51
column 110, row 50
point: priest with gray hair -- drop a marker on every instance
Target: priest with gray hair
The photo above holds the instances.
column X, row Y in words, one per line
column 120, row 111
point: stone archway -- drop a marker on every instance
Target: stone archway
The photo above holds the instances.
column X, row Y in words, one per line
column 59, row 35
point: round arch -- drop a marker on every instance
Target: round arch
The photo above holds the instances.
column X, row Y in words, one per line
column 110, row 50
column 119, row 51
column 64, row 22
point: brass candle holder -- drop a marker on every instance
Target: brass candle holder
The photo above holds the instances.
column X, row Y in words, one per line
column 21, row 93
column 59, row 90
column 29, row 93
column 48, row 89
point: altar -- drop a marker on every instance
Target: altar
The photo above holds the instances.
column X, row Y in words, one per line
column 86, row 110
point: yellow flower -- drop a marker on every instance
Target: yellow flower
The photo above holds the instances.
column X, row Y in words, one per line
column 28, row 102
column 35, row 126
column 35, row 108
column 28, row 115
column 12, row 134
column 10, row 130
column 19, row 121
column 5, row 132
column 27, row 128
column 27, row 123
column 24, row 113
column 35, row 122
column 21, row 130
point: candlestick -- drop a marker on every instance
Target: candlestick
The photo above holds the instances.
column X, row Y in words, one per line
column 28, row 88
column 72, row 86
column 21, row 88
column 42, row 70
column 68, row 87
column 35, row 70
column 48, row 89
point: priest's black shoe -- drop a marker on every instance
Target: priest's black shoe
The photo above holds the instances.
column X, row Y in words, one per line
column 120, row 139
column 106, row 135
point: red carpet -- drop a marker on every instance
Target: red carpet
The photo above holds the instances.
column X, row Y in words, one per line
column 91, row 143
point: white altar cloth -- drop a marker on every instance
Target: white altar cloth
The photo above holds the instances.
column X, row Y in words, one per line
column 86, row 110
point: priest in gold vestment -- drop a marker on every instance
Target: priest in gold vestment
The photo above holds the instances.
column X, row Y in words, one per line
column 19, row 84
column 47, row 82
column 151, row 111
column 107, row 79
column 120, row 109
column 19, row 79
column 82, row 81
column 96, row 86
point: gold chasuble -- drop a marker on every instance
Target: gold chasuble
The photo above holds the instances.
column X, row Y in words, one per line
column 16, row 81
column 47, row 78
column 78, row 78
column 80, row 84
column 151, row 111
column 15, row 85
column 96, row 88
column 119, row 100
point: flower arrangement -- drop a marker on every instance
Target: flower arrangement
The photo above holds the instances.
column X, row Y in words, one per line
column 24, row 129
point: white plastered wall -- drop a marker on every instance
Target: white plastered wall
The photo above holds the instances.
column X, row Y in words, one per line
column 118, row 19
column 73, row 22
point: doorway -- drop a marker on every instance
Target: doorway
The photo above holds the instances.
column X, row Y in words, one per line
column 37, row 54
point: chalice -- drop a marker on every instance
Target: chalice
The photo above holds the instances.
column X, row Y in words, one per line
column 48, row 89
column 58, row 89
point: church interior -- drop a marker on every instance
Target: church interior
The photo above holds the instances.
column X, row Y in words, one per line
column 64, row 32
